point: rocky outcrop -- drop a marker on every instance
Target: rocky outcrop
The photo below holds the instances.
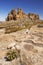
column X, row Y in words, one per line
column 9, row 17
column 18, row 20
column 13, row 15
column 18, row 25
column 33, row 16
column 30, row 45
column 19, row 13
column 27, row 40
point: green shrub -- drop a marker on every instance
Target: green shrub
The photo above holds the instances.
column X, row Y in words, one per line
column 11, row 54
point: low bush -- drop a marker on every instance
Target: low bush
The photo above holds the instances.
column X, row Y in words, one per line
column 11, row 54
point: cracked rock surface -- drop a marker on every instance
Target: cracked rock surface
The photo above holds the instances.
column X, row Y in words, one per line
column 30, row 44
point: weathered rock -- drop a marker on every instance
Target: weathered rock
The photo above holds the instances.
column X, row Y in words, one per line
column 9, row 17
column 33, row 16
column 28, row 42
column 20, row 13
column 30, row 46
column 2, row 31
column 14, row 15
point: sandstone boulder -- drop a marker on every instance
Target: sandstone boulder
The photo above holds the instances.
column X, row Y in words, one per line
column 33, row 16
column 9, row 17
column 14, row 13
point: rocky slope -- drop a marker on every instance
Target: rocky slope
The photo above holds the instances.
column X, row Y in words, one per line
column 18, row 20
column 30, row 44
column 25, row 35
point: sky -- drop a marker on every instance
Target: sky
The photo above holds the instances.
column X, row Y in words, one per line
column 28, row 6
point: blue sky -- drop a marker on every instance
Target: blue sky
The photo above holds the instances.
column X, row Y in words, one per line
column 28, row 6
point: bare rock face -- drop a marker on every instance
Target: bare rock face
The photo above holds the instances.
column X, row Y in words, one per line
column 37, row 28
column 19, row 14
column 28, row 41
column 9, row 17
column 33, row 16
column 30, row 45
column 13, row 15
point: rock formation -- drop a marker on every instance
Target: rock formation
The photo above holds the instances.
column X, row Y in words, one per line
column 24, row 33
column 21, row 20
column 14, row 15
column 19, row 14
column 18, row 20
column 9, row 17
column 33, row 16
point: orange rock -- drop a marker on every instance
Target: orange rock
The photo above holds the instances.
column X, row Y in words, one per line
column 19, row 13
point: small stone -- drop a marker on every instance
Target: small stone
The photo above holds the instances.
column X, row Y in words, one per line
column 18, row 47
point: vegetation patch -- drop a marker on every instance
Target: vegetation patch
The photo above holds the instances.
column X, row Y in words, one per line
column 12, row 54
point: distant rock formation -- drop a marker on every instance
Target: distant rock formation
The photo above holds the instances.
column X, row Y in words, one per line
column 33, row 16
column 13, row 15
column 9, row 17
column 18, row 20
column 19, row 14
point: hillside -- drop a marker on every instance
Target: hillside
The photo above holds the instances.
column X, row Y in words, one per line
column 19, row 20
column 21, row 39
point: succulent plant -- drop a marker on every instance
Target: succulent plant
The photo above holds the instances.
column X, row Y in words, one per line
column 12, row 54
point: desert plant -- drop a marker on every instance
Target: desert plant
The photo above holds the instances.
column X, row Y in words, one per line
column 11, row 54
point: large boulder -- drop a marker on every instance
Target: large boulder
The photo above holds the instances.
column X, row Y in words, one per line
column 19, row 13
column 14, row 13
column 9, row 17
column 33, row 16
